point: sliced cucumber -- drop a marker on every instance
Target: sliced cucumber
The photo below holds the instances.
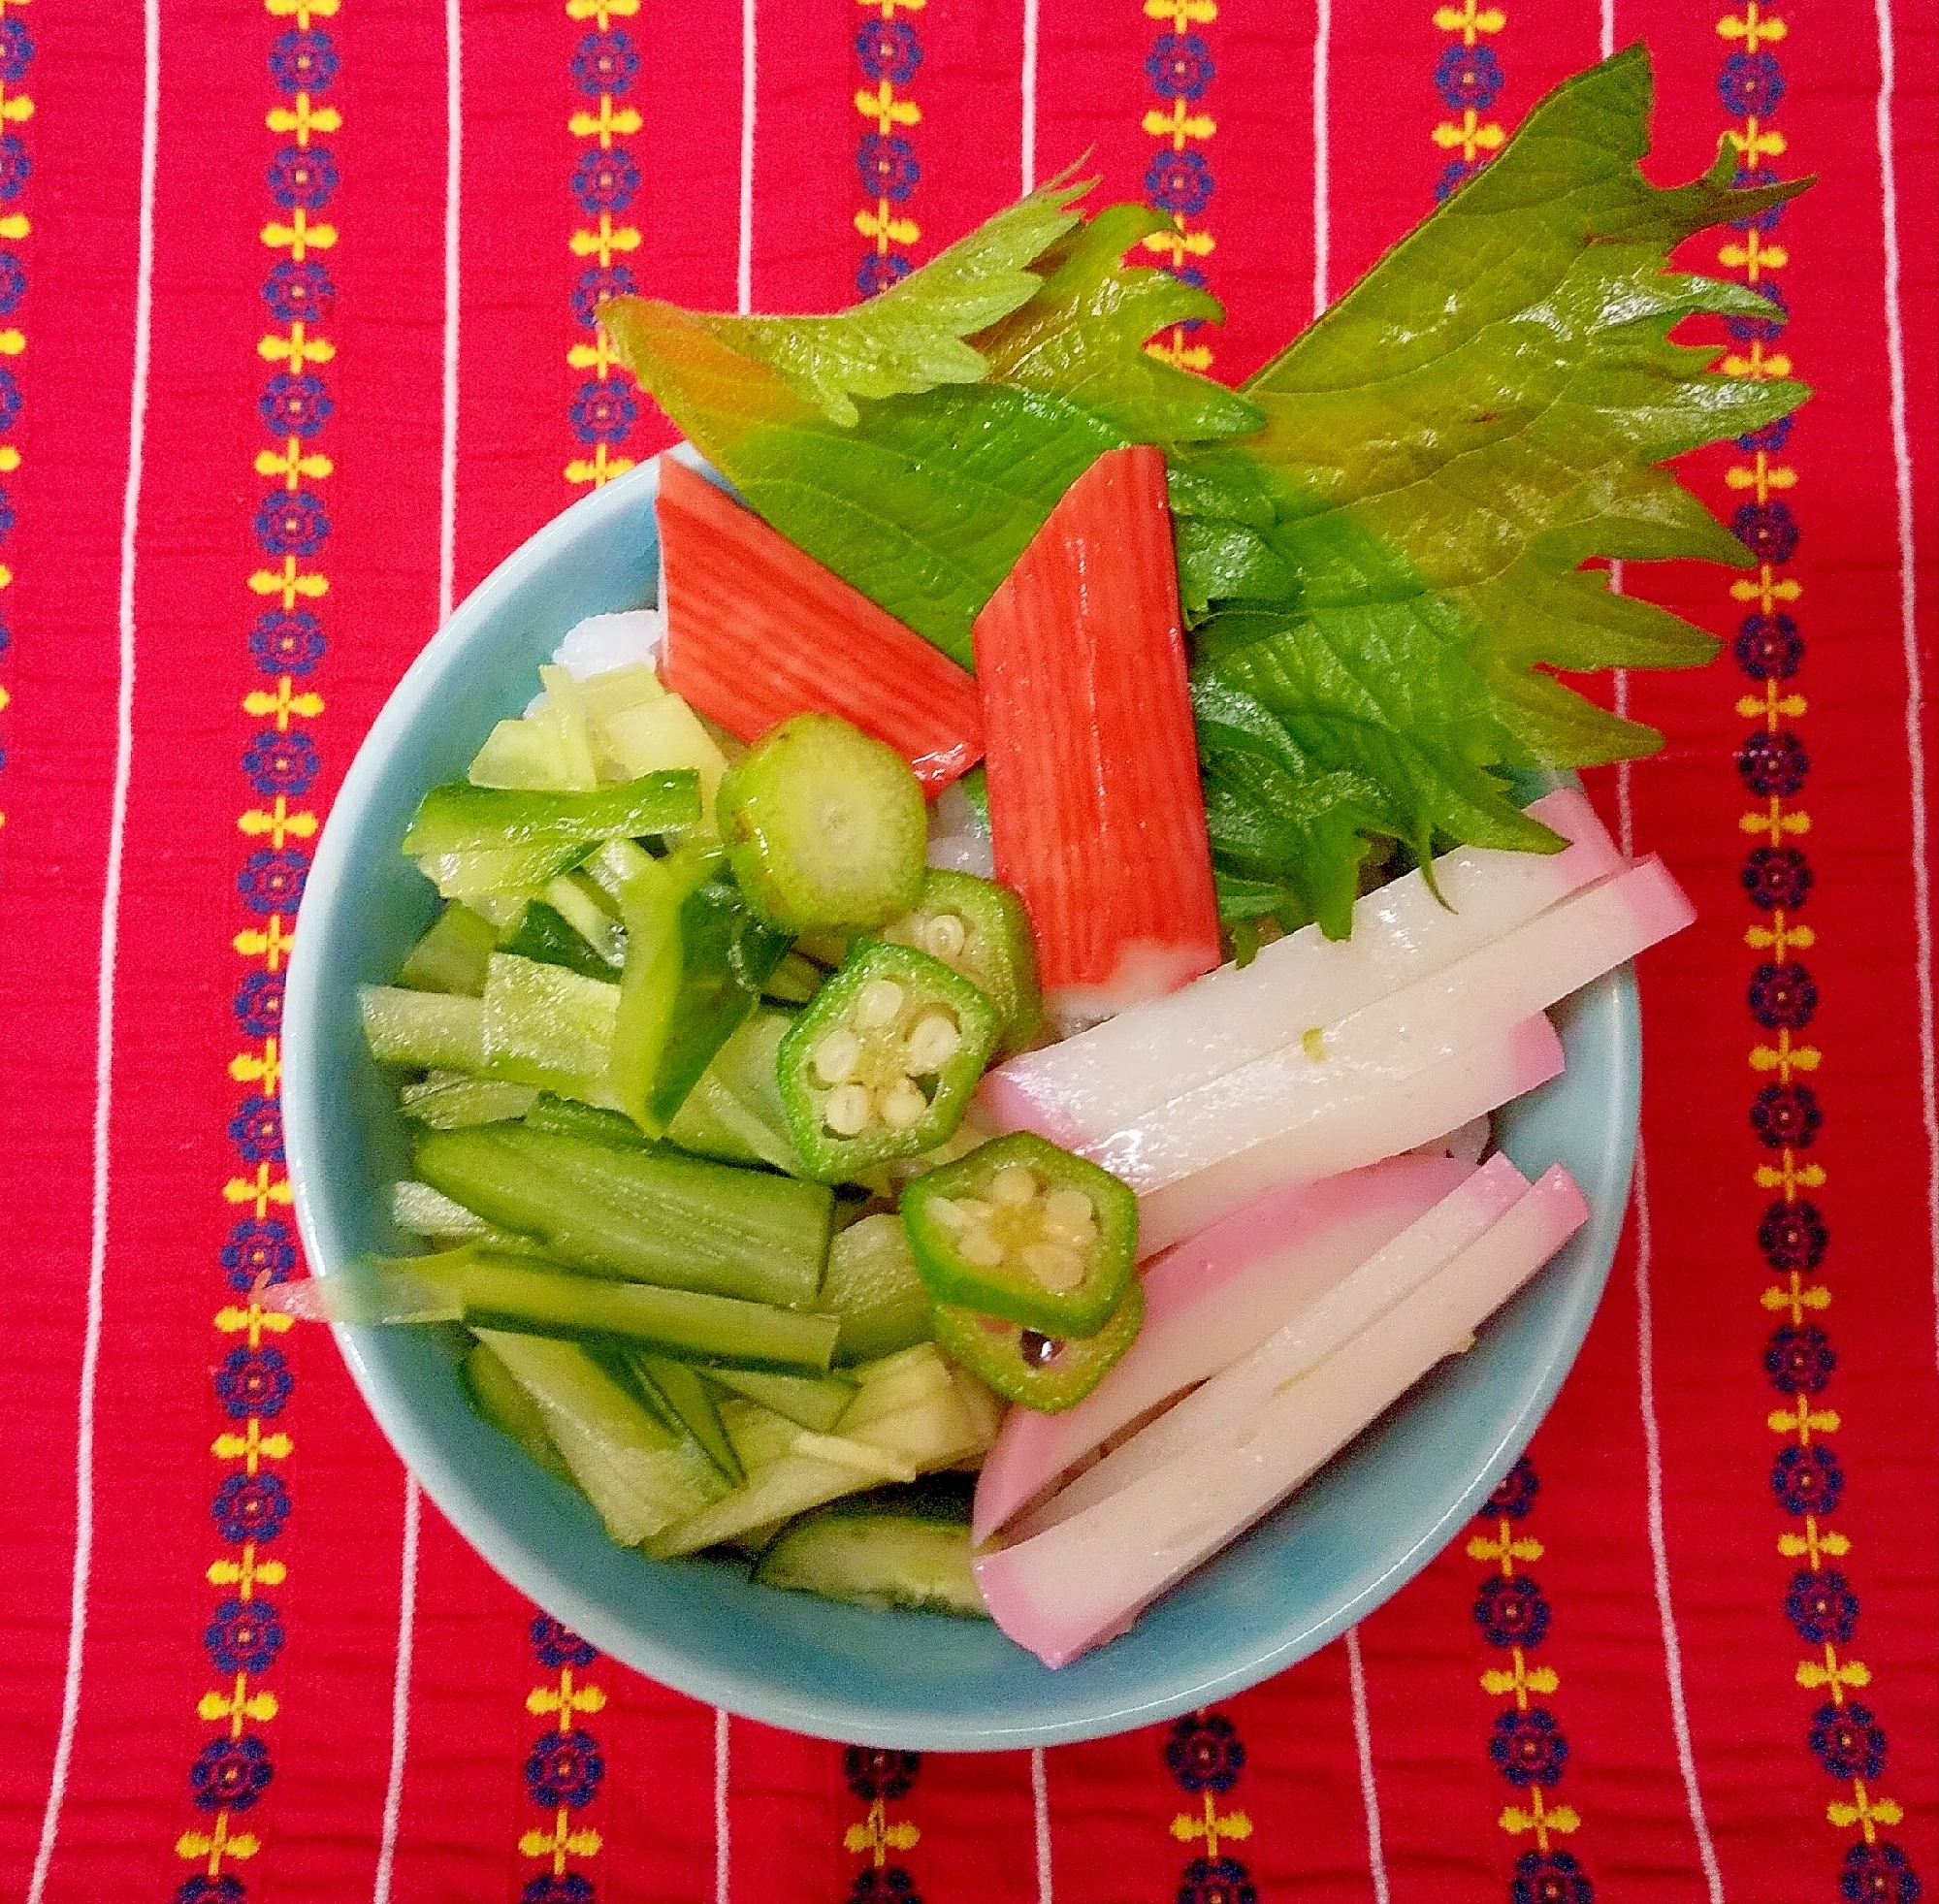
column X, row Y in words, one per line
column 424, row 1030
column 816, row 1403
column 680, row 1391
column 905, row 1548
column 451, row 956
column 452, row 1101
column 546, row 1025
column 824, row 825
column 873, row 1285
column 547, row 937
column 499, row 1399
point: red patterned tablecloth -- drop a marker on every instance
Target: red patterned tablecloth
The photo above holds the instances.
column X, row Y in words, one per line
column 295, row 345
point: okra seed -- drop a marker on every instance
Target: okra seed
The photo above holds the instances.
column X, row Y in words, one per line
column 974, row 1208
column 903, row 1105
column 848, row 1111
column 877, row 1005
column 950, row 1215
column 1068, row 1208
column 1056, row 1265
column 945, row 935
column 977, row 1246
column 837, row 1055
column 933, row 1043
column 1013, row 1185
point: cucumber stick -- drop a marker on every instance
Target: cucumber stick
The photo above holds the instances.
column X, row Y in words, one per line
column 547, row 1025
column 646, row 1215
column 811, row 1402
column 461, row 818
column 424, row 1030
column 677, row 1390
column 499, row 1292
column 499, row 1399
column 451, row 956
column 640, row 1474
column 906, row 1548
column 872, row 1283
column 453, row 1100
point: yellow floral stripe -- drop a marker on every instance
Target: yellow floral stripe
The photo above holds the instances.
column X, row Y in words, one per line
column 16, row 110
column 1178, row 180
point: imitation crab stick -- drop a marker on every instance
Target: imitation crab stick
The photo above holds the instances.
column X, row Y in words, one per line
column 1366, row 1061
column 1096, row 810
column 1207, row 1303
column 757, row 632
column 1098, row 1081
column 1238, row 1445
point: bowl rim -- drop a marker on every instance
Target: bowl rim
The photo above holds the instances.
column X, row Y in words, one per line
column 533, row 1572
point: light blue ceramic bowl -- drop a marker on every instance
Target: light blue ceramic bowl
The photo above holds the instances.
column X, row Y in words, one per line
column 1349, row 1539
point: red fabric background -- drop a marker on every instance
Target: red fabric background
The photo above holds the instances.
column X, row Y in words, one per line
column 1703, row 1771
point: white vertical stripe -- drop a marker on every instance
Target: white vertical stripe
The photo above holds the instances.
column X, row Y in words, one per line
column 722, row 1838
column 110, row 932
column 744, row 271
column 1040, row 1812
column 387, row 1843
column 1030, row 96
column 1908, row 623
column 1322, row 33
column 1672, row 1646
column 1363, row 1747
column 1608, row 42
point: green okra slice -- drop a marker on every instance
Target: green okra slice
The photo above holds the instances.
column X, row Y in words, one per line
column 979, row 927
column 1040, row 1372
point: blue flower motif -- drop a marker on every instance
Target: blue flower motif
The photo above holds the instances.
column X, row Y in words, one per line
column 16, row 48
column 888, row 166
column 6, row 637
column 1822, row 1607
column 1771, row 436
column 289, row 641
column 891, row 1884
column 300, row 406
column 563, row 1768
column 257, row 1250
column 244, row 1635
column 1751, row 85
column 1807, row 1481
column 13, row 281
column 604, row 62
column 595, row 286
column 1468, row 76
column 1770, row 647
column 879, row 271
column 253, row 1381
column 889, row 49
column 602, row 412
column 10, row 400
column 606, row 181
column 559, row 1645
column 1786, row 1114
column 303, row 62
column 1217, row 1880
column 1879, row 1874
column 15, row 167
column 6, row 517
column 294, row 291
column 1848, row 1740
column 1515, row 1494
column 292, row 523
column 1179, row 66
column 1511, row 1612
column 282, row 763
column 1799, row 1360
column 1775, row 875
column 257, row 1131
column 1793, row 1236
column 1759, row 329
column 1529, row 1747
column 549, row 1887
column 1748, row 178
column 1550, row 1876
column 1768, row 529
column 1205, row 1752
column 303, row 174
column 1178, row 182
column 1773, row 764
column 875, row 1772
column 272, row 882
column 229, row 1775
column 1456, row 171
column 202, row 1888
column 1783, row 997
column 250, row 1508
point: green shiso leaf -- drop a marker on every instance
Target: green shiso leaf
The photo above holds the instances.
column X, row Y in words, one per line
column 1479, row 415
column 1380, row 540
column 925, row 499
